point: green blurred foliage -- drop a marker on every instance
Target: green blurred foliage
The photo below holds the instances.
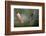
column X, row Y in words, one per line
column 24, row 11
column 34, row 22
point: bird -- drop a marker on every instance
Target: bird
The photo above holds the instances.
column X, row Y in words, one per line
column 20, row 18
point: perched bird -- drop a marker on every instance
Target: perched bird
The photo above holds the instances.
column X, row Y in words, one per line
column 20, row 18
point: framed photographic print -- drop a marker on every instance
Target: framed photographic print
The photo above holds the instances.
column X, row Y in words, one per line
column 24, row 18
